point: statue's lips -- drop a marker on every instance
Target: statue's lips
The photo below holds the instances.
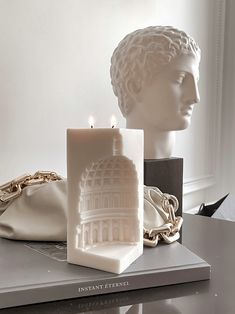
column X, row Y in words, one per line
column 187, row 110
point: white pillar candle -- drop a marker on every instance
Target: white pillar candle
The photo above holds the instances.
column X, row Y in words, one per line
column 105, row 197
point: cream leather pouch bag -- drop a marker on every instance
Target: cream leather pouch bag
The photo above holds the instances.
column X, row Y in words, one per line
column 33, row 208
column 38, row 214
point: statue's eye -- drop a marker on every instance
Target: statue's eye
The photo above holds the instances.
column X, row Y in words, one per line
column 179, row 78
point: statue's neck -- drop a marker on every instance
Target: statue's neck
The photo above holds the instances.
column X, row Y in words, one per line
column 157, row 143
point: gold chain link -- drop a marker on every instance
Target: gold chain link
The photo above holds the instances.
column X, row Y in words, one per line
column 169, row 232
column 13, row 189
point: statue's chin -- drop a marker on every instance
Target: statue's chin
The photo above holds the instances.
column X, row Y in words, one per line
column 183, row 124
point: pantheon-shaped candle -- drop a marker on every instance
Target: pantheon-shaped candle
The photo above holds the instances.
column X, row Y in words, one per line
column 105, row 197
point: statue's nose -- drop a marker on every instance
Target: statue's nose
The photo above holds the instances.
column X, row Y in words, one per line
column 191, row 93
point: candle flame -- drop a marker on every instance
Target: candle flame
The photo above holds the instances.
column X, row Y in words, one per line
column 91, row 122
column 113, row 122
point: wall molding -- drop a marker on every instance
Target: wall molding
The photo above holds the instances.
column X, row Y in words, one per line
column 197, row 184
column 204, row 182
column 219, row 30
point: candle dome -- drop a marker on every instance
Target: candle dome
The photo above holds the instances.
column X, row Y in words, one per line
column 108, row 203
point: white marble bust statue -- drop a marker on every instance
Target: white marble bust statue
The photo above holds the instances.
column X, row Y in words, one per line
column 154, row 74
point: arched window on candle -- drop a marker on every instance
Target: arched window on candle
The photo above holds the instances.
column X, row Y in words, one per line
column 91, row 122
column 113, row 122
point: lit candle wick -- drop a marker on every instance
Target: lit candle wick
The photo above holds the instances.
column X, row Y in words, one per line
column 113, row 122
column 91, row 122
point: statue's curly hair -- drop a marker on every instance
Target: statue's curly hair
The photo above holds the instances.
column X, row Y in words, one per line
column 141, row 54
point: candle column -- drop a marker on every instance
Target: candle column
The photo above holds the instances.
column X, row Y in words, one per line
column 105, row 197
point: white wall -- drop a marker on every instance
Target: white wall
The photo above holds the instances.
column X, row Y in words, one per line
column 54, row 73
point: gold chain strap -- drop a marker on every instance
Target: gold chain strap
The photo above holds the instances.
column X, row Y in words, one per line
column 169, row 231
column 13, row 189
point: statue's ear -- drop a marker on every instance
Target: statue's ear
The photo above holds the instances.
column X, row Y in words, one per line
column 133, row 88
